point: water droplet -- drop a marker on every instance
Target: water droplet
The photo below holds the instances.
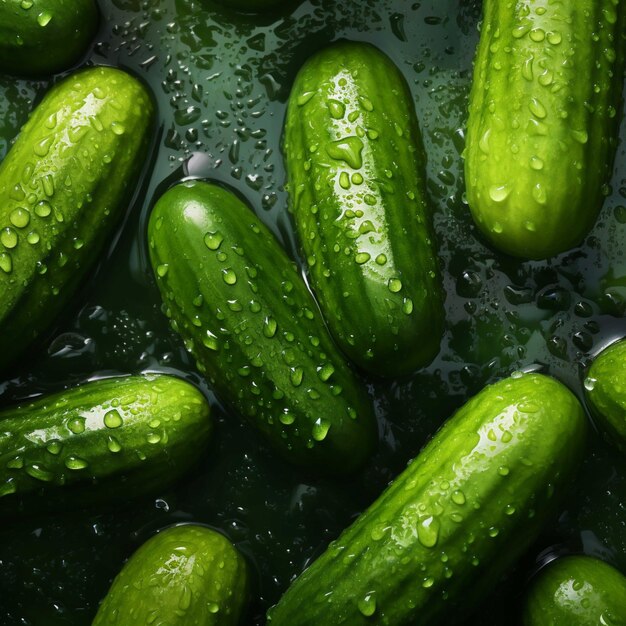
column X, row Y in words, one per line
column 118, row 128
column 43, row 209
column 428, row 582
column 286, row 418
column 162, row 269
column 269, row 327
column 590, row 383
column 381, row 259
column 6, row 263
column 54, row 447
column 458, row 497
column 43, row 19
column 337, row 109
column 153, row 438
column 296, row 375
column 19, row 217
column 112, row 419
column 428, row 532
column 320, row 429
column 325, row 371
column 362, row 257
column 75, row 463
column 394, row 285
column 367, row 604
column 499, row 193
column 229, row 276
column 348, row 150
column 213, row 240
column 39, row 472
column 8, row 238
column 76, row 425
column 113, row 445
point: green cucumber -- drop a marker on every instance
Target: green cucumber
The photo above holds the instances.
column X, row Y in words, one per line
column 246, row 316
column 543, row 119
column 606, row 394
column 63, row 187
column 40, row 37
column 357, row 187
column 577, row 591
column 455, row 521
column 111, row 437
column 184, row 575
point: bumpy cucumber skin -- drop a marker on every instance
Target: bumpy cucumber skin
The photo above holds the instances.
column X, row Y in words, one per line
column 606, row 395
column 577, row 591
column 183, row 575
column 47, row 37
column 357, row 187
column 247, row 317
column 543, row 119
column 112, row 437
column 440, row 537
column 62, row 192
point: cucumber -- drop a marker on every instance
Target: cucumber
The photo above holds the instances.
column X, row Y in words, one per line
column 104, row 439
column 254, row 329
column 577, row 591
column 63, row 187
column 357, row 188
column 543, row 119
column 606, row 395
column 441, row 536
column 40, row 37
column 183, row 575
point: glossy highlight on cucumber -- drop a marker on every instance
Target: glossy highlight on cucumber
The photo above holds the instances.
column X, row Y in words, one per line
column 436, row 542
column 100, row 441
column 247, row 317
column 357, row 187
column 63, row 189
column 41, row 37
column 544, row 113
column 184, row 575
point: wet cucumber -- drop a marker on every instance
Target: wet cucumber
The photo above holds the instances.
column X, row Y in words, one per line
column 254, row 329
column 606, row 394
column 63, row 188
column 40, row 37
column 543, row 119
column 183, row 575
column 441, row 536
column 577, row 591
column 108, row 438
column 357, row 187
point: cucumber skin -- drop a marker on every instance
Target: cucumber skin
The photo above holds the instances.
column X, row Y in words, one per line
column 381, row 556
column 165, row 429
column 551, row 147
column 38, row 279
column 30, row 49
column 553, row 599
column 605, row 393
column 385, row 330
column 247, row 355
column 183, row 573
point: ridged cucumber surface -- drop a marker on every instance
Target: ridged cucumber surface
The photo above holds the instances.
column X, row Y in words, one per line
column 577, row 591
column 254, row 329
column 112, row 437
column 455, row 521
column 184, row 576
column 543, row 119
column 606, row 394
column 357, row 187
column 63, row 187
column 40, row 37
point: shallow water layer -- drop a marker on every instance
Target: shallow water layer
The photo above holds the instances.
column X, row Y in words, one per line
column 221, row 83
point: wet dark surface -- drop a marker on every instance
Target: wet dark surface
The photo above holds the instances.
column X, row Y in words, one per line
column 221, row 82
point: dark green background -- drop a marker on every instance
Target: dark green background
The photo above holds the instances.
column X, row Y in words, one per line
column 221, row 82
